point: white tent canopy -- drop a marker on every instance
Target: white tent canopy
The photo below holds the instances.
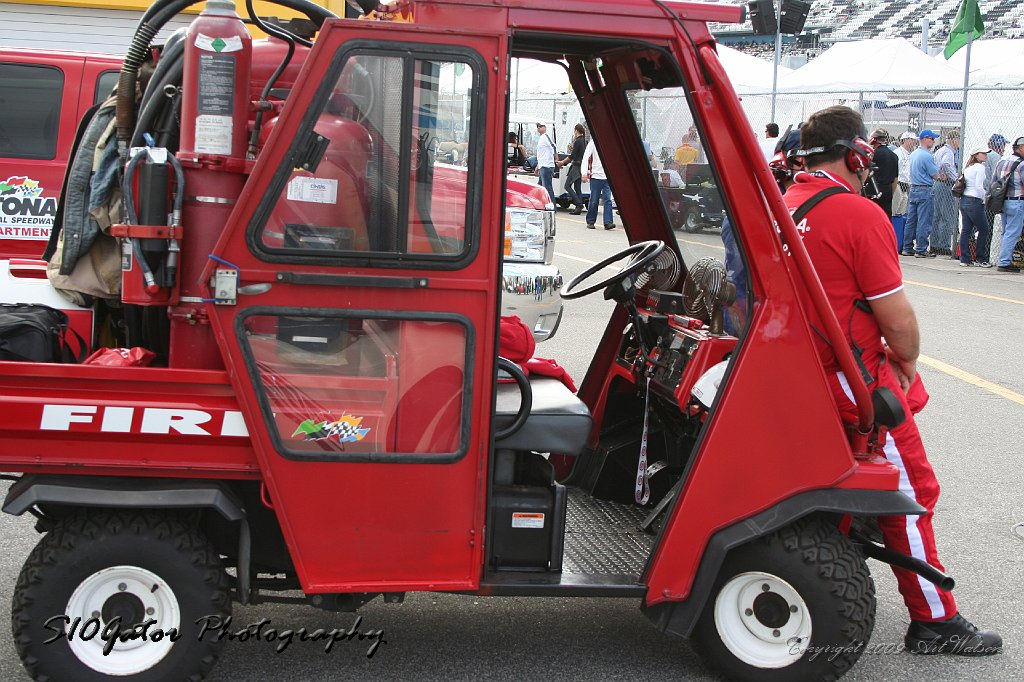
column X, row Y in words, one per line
column 993, row 62
column 536, row 77
column 533, row 76
column 871, row 66
column 747, row 72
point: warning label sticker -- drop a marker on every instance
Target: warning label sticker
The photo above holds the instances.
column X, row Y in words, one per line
column 213, row 134
column 313, row 190
column 527, row 520
column 216, row 84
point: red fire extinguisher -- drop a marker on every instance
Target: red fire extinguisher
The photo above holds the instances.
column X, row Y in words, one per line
column 215, row 86
column 215, row 108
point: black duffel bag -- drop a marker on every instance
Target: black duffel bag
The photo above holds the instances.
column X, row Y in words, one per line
column 31, row 332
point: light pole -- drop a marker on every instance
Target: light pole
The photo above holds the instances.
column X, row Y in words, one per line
column 778, row 55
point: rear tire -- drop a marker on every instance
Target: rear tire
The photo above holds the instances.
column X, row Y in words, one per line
column 798, row 604
column 136, row 565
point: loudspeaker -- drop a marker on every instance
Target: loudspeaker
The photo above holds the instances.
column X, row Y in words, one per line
column 762, row 17
column 794, row 14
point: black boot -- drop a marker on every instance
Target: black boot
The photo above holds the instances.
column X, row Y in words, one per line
column 956, row 635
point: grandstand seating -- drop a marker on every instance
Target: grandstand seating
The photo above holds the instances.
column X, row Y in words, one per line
column 835, row 20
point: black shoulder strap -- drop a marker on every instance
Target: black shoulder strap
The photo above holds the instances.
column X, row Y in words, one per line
column 67, row 353
column 1013, row 169
column 804, row 208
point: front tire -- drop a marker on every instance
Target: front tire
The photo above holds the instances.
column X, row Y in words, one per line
column 798, row 604
column 137, row 565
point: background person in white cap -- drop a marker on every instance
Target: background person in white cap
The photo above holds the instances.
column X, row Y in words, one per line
column 972, row 211
column 908, row 141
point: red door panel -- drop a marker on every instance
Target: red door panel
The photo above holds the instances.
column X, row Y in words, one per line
column 362, row 342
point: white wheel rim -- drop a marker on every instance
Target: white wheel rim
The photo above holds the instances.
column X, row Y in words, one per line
column 762, row 620
column 123, row 586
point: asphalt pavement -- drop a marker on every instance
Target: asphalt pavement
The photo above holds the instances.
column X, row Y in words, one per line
column 972, row 326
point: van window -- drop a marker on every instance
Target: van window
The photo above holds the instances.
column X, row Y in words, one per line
column 30, row 98
column 105, row 85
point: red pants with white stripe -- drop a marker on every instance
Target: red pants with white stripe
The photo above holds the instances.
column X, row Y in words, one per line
column 912, row 535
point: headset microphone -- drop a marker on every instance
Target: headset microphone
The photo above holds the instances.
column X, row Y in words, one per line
column 870, row 189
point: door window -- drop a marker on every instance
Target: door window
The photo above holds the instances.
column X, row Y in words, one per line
column 383, row 168
column 30, row 98
column 372, row 388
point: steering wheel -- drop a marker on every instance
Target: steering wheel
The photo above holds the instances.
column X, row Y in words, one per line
column 641, row 253
column 525, row 401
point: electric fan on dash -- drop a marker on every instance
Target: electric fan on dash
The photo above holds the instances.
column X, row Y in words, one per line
column 707, row 291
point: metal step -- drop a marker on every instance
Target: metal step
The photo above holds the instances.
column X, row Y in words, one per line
column 604, row 538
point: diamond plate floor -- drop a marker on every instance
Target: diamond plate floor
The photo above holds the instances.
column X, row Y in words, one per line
column 604, row 538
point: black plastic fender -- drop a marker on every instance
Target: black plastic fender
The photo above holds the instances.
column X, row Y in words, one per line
column 120, row 493
column 113, row 492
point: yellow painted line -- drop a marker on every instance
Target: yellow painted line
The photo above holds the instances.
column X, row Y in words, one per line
column 710, row 246
column 582, row 260
column 1003, row 299
column 972, row 379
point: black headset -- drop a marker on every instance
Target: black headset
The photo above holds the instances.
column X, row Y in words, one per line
column 858, row 157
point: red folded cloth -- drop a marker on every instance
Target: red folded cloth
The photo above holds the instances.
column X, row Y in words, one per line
column 515, row 340
column 550, row 368
column 516, row 343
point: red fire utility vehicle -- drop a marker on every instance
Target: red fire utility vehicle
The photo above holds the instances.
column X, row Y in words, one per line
column 330, row 417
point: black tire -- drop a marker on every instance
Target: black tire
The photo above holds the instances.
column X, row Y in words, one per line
column 830, row 579
column 694, row 221
column 139, row 543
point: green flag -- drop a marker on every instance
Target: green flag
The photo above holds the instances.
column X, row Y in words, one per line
column 968, row 20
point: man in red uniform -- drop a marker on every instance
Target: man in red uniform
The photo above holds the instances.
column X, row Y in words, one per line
column 853, row 247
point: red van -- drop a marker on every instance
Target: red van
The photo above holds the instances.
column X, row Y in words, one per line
column 43, row 96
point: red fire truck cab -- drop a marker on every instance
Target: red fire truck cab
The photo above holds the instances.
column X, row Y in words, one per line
column 330, row 416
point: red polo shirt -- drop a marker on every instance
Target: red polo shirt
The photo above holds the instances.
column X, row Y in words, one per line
column 853, row 247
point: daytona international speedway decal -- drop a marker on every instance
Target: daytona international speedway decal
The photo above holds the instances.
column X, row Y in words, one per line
column 24, row 212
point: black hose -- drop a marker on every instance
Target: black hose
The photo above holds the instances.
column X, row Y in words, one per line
column 125, row 112
column 933, row 575
column 168, row 127
column 153, row 108
column 173, row 248
column 272, row 29
column 173, row 50
column 132, row 218
column 289, row 38
column 130, row 214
